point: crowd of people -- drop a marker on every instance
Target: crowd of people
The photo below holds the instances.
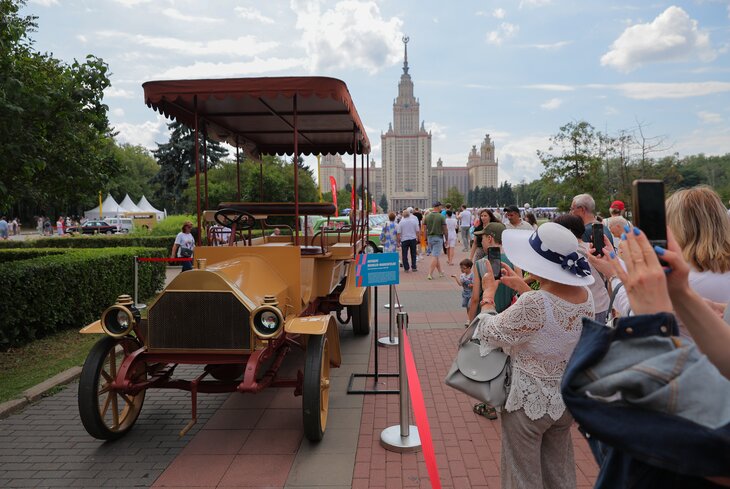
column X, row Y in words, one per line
column 551, row 280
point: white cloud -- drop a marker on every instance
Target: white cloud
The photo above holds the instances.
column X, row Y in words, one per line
column 249, row 13
column 610, row 110
column 45, row 3
column 504, row 31
column 112, row 92
column 146, row 134
column 552, row 46
column 518, row 158
column 82, row 38
column 534, row 3
column 117, row 112
column 132, row 3
column 223, row 70
column 551, row 104
column 551, row 87
column 437, row 130
column 499, row 13
column 709, row 117
column 175, row 14
column 649, row 91
column 249, row 45
column 672, row 36
column 351, row 34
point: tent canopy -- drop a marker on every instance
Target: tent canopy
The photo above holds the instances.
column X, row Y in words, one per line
column 129, row 205
column 257, row 114
column 110, row 208
column 144, row 206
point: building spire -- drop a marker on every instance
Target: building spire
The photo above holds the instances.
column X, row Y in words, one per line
column 405, row 46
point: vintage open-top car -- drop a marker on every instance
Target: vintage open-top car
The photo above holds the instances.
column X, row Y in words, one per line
column 246, row 304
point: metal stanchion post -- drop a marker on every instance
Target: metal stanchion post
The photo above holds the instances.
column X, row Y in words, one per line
column 390, row 340
column 402, row 437
column 136, row 281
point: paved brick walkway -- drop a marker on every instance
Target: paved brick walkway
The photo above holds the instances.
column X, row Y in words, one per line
column 257, row 440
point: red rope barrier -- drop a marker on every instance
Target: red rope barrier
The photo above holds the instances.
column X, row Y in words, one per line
column 164, row 259
column 419, row 412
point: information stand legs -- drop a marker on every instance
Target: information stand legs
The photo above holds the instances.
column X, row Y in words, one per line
column 402, row 437
column 390, row 340
column 374, row 390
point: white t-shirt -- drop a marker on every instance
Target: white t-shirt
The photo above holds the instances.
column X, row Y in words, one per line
column 184, row 240
column 451, row 226
column 408, row 228
column 711, row 285
column 465, row 218
column 522, row 225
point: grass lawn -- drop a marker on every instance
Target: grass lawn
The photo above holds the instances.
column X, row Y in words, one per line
column 22, row 368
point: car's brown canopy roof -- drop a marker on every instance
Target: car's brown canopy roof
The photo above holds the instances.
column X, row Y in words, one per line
column 257, row 113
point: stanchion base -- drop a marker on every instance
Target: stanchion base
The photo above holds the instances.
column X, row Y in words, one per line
column 390, row 439
column 140, row 306
column 388, row 341
column 397, row 306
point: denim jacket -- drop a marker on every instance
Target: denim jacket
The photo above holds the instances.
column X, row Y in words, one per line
column 658, row 408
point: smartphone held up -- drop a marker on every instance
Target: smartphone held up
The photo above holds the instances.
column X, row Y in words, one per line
column 648, row 210
column 597, row 238
column 495, row 260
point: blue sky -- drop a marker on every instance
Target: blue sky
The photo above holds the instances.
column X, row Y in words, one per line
column 517, row 70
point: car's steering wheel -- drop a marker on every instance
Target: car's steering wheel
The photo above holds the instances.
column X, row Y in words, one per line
column 233, row 217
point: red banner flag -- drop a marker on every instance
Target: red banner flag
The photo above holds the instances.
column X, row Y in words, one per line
column 333, row 185
column 375, row 207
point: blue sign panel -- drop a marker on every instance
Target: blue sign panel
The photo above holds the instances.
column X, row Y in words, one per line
column 377, row 269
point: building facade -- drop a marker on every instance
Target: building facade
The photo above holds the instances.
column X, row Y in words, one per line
column 406, row 150
column 406, row 176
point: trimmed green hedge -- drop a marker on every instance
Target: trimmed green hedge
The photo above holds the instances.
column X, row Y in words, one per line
column 101, row 241
column 50, row 290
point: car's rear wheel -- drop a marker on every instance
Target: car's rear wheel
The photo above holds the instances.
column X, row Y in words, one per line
column 108, row 414
column 316, row 388
column 361, row 315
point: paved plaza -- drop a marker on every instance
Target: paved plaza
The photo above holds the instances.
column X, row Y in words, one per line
column 257, row 441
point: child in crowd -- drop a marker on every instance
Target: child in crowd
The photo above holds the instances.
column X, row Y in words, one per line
column 465, row 280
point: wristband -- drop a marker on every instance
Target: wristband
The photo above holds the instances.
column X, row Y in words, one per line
column 484, row 302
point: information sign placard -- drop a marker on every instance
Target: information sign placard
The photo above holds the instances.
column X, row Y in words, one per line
column 377, row 269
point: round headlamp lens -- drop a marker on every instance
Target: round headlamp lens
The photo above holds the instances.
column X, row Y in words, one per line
column 269, row 321
column 122, row 320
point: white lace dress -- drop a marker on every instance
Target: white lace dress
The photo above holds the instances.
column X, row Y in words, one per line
column 539, row 332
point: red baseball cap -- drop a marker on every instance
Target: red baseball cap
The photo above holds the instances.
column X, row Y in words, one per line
column 617, row 204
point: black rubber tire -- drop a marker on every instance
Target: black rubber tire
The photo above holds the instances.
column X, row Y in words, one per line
column 316, row 387
column 361, row 315
column 88, row 396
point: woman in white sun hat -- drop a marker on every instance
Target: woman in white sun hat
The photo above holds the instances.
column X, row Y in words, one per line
column 539, row 332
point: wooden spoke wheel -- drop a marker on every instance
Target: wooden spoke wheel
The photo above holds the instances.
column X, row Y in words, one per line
column 316, row 388
column 361, row 315
column 107, row 414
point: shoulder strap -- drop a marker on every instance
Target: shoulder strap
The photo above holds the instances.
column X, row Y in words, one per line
column 613, row 296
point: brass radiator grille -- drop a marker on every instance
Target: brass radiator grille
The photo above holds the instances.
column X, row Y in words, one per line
column 198, row 320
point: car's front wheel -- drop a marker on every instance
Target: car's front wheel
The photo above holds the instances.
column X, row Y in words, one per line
column 105, row 413
column 316, row 387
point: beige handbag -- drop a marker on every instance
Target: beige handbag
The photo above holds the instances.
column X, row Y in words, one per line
column 485, row 378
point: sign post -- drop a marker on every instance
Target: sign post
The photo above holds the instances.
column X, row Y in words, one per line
column 373, row 270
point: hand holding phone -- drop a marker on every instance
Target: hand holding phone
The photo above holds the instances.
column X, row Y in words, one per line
column 649, row 214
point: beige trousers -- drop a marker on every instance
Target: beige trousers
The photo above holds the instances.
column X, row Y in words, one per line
column 537, row 454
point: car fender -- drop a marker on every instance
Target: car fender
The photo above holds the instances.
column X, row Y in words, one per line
column 93, row 328
column 318, row 325
column 352, row 294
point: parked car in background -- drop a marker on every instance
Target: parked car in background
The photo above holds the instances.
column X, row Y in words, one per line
column 375, row 222
column 93, row 227
column 123, row 224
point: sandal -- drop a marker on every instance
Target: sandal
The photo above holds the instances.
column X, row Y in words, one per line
column 484, row 409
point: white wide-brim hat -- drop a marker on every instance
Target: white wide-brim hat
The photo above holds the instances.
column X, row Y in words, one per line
column 549, row 252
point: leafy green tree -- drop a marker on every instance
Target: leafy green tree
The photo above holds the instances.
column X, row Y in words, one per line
column 383, row 203
column 55, row 140
column 136, row 169
column 177, row 164
column 454, row 197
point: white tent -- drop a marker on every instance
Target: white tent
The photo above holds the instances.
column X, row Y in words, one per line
column 109, row 208
column 145, row 206
column 129, row 205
